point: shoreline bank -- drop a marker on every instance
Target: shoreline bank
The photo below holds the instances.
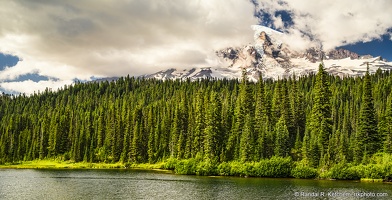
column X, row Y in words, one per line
column 161, row 166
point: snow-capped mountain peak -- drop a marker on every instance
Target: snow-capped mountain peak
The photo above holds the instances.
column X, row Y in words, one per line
column 274, row 59
column 266, row 39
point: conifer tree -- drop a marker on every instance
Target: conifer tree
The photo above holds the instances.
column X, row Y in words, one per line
column 52, row 140
column 282, row 138
column 260, row 120
column 126, row 140
column 157, row 141
column 43, row 140
column 368, row 139
column 247, row 140
column 298, row 112
column 286, row 112
column 135, row 148
column 276, row 108
column 175, row 132
column 213, row 131
column 182, row 128
column 199, row 124
column 386, row 126
column 244, row 106
column 320, row 125
column 151, row 137
column 100, row 130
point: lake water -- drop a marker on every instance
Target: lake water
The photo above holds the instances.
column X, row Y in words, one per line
column 140, row 184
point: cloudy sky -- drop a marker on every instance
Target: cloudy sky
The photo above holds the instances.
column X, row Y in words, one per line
column 52, row 43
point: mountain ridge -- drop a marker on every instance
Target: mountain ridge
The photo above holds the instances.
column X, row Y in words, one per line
column 275, row 59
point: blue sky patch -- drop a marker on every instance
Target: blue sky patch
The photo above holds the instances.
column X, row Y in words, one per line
column 8, row 60
column 32, row 76
column 375, row 48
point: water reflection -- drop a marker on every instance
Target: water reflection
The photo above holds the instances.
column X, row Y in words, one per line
column 139, row 184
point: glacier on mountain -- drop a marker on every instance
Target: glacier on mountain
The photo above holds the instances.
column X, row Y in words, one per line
column 260, row 42
column 273, row 59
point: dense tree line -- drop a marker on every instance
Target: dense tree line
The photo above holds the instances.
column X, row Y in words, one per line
column 317, row 119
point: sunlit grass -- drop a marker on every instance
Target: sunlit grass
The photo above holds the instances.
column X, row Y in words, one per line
column 55, row 164
column 378, row 170
column 371, row 180
column 159, row 165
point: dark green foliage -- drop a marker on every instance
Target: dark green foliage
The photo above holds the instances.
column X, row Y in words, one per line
column 379, row 167
column 320, row 123
column 210, row 127
column 170, row 163
column 260, row 121
column 274, row 167
column 213, row 132
column 344, row 171
column 385, row 126
column 206, row 168
column 282, row 142
column 368, row 140
column 247, row 140
column 187, row 166
column 374, row 171
column 302, row 171
column 199, row 124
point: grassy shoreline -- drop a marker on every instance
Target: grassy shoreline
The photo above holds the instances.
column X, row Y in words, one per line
column 54, row 164
column 275, row 167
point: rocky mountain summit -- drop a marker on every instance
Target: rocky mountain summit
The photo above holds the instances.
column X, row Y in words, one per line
column 274, row 59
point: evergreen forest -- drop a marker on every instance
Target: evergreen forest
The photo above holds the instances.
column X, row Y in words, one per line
column 310, row 126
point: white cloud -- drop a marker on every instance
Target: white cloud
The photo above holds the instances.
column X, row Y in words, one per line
column 29, row 87
column 80, row 39
column 278, row 22
column 334, row 23
column 297, row 40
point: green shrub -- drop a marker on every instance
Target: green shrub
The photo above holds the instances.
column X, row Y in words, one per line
column 281, row 166
column 170, row 163
column 187, row 167
column 381, row 158
column 344, row 172
column 237, row 169
column 301, row 171
column 206, row 168
column 274, row 167
column 223, row 169
column 373, row 171
column 388, row 172
column 261, row 168
column 250, row 169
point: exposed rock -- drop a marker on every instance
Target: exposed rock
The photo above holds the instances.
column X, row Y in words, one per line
column 342, row 53
column 273, row 59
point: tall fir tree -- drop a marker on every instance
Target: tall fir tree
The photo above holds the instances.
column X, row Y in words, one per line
column 368, row 140
column 244, row 106
column 213, row 131
column 247, row 140
column 199, row 124
column 385, row 126
column 320, row 123
column 282, row 138
column 261, row 120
